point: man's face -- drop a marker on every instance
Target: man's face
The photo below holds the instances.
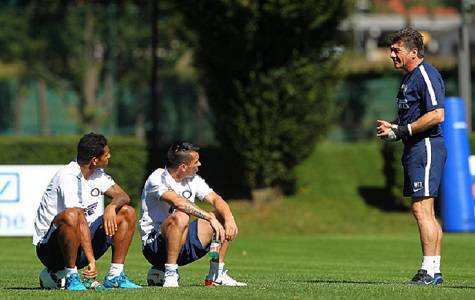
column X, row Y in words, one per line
column 192, row 167
column 103, row 160
column 402, row 56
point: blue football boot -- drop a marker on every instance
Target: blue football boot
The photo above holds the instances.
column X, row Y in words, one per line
column 121, row 281
column 438, row 279
column 422, row 278
column 73, row 283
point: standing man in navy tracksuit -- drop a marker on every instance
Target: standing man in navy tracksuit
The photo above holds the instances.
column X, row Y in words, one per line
column 418, row 125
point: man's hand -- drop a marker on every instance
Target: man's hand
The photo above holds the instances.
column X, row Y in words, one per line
column 218, row 229
column 110, row 220
column 230, row 228
column 90, row 271
column 391, row 132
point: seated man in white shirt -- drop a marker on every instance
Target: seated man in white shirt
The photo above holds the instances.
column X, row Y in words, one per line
column 70, row 230
column 169, row 239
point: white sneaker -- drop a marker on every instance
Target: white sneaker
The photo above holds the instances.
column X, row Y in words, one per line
column 171, row 279
column 224, row 280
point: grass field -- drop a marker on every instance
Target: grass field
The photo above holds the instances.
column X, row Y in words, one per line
column 299, row 267
column 328, row 241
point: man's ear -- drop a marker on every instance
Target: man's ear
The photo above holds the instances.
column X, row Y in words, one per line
column 414, row 53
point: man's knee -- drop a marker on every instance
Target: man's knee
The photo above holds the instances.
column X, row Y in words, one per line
column 69, row 216
column 127, row 212
column 422, row 208
column 179, row 220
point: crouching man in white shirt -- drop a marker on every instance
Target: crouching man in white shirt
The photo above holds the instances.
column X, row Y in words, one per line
column 169, row 239
column 71, row 229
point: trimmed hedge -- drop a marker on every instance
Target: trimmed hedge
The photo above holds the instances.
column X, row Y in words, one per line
column 127, row 164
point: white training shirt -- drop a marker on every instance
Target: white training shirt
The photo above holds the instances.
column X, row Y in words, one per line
column 67, row 189
column 155, row 210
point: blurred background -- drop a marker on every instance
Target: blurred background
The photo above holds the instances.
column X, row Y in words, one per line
column 257, row 84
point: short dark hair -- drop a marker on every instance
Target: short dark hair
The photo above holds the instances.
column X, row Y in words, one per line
column 179, row 153
column 411, row 39
column 90, row 145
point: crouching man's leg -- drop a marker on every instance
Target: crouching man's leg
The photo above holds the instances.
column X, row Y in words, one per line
column 59, row 248
column 174, row 231
column 121, row 240
column 217, row 275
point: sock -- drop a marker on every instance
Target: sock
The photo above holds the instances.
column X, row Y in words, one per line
column 428, row 264
column 171, row 267
column 436, row 264
column 69, row 271
column 215, row 269
column 62, row 273
column 115, row 270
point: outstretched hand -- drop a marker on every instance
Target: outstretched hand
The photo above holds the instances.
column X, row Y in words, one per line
column 383, row 128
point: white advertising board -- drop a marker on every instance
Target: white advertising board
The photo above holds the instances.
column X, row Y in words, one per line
column 21, row 189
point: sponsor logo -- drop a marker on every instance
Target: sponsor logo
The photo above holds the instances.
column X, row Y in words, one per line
column 9, row 187
column 417, row 186
column 402, row 103
column 90, row 209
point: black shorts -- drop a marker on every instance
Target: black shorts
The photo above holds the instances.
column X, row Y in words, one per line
column 155, row 249
column 49, row 252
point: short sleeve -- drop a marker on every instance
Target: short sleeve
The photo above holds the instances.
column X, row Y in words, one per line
column 106, row 182
column 70, row 190
column 202, row 188
column 433, row 90
column 158, row 186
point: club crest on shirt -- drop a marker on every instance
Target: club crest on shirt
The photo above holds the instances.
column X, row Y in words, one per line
column 95, row 192
column 186, row 194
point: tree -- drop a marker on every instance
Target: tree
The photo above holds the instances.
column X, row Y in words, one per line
column 269, row 69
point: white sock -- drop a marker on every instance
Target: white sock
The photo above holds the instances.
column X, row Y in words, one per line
column 215, row 269
column 428, row 264
column 69, row 271
column 171, row 267
column 115, row 270
column 436, row 264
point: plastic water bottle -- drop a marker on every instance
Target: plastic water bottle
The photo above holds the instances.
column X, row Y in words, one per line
column 214, row 248
column 93, row 284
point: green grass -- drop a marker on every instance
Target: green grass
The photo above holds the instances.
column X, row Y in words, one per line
column 325, row 242
column 284, row 267
column 329, row 197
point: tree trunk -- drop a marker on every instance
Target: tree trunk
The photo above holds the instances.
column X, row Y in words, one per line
column 19, row 100
column 43, row 108
column 93, row 59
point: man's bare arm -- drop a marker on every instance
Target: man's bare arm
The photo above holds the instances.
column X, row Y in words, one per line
column 119, row 199
column 190, row 208
column 428, row 120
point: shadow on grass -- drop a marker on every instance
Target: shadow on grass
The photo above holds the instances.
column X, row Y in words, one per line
column 382, row 283
column 379, row 197
column 22, row 288
column 343, row 281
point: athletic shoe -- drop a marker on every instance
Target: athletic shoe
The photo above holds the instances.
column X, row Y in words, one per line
column 438, row 279
column 73, row 283
column 121, row 281
column 224, row 280
column 171, row 279
column 422, row 278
